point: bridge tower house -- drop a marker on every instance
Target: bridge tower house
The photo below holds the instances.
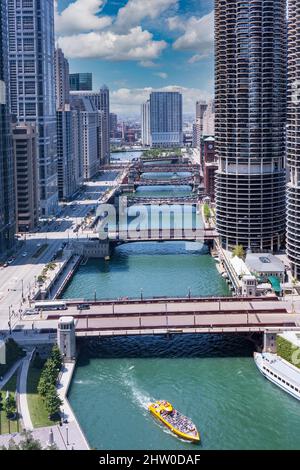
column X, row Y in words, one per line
column 66, row 338
column 270, row 342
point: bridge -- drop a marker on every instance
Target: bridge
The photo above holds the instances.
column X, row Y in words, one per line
column 190, row 181
column 161, row 235
column 174, row 316
column 167, row 201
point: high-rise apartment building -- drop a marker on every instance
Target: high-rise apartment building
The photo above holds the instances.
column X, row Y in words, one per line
column 100, row 101
column 62, row 80
column 113, row 122
column 145, row 124
column 166, row 122
column 250, row 122
column 208, row 128
column 26, row 176
column 293, row 139
column 7, row 196
column 32, row 85
column 89, row 133
column 68, row 154
column 81, row 81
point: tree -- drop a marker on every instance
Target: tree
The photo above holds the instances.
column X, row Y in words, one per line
column 239, row 251
column 56, row 357
column 52, row 401
column 207, row 212
column 27, row 443
column 10, row 406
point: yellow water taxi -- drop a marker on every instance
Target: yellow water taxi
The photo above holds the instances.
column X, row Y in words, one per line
column 180, row 425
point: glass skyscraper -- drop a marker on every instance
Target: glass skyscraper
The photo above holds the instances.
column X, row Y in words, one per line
column 32, row 85
column 7, row 194
column 251, row 79
column 166, row 119
column 81, row 81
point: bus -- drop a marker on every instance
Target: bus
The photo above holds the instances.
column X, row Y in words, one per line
column 54, row 305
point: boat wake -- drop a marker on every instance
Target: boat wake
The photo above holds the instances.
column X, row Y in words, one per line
column 138, row 396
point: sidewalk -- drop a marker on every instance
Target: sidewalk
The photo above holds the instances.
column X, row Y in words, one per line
column 72, row 429
column 22, row 393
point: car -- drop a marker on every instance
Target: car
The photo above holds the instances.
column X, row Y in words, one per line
column 30, row 311
column 5, row 265
column 39, row 245
column 24, row 254
column 83, row 307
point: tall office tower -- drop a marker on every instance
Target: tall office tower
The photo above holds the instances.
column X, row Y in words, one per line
column 209, row 120
column 81, row 81
column 62, row 80
column 250, row 122
column 7, row 195
column 32, row 85
column 201, row 107
column 26, row 176
column 113, row 125
column 145, row 118
column 100, row 101
column 89, row 130
column 166, row 119
column 293, row 143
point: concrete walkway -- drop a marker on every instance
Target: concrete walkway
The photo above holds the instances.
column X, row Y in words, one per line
column 10, row 373
column 22, row 393
column 72, row 431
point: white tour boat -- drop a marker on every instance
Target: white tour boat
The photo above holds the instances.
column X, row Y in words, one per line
column 280, row 372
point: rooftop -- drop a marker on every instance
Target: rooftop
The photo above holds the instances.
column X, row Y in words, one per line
column 264, row 263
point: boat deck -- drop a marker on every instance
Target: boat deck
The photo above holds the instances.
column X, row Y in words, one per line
column 283, row 368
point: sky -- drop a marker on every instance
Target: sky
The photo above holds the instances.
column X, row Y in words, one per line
column 135, row 46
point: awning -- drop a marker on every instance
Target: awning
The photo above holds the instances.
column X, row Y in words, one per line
column 275, row 282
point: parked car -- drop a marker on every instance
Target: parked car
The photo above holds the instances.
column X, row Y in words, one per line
column 83, row 307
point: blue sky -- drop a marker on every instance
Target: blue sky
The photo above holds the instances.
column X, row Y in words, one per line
column 134, row 46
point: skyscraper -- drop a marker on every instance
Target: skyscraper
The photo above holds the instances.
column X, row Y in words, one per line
column 250, row 122
column 7, row 194
column 201, row 107
column 81, row 81
column 293, row 142
column 62, row 80
column 26, row 176
column 166, row 119
column 69, row 180
column 113, row 123
column 32, row 85
column 145, row 118
column 100, row 101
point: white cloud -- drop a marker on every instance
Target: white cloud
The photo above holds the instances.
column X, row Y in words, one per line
column 198, row 35
column 136, row 10
column 136, row 45
column 148, row 63
column 81, row 16
column 128, row 100
column 163, row 75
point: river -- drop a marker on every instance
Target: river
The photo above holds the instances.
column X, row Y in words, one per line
column 210, row 378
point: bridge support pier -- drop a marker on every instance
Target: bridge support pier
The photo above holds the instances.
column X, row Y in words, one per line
column 270, row 343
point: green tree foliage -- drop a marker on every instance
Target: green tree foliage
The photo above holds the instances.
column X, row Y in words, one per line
column 288, row 351
column 207, row 212
column 10, row 406
column 52, row 402
column 239, row 251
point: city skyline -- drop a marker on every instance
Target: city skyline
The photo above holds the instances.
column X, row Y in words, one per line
column 171, row 48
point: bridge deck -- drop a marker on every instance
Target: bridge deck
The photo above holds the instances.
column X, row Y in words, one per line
column 186, row 316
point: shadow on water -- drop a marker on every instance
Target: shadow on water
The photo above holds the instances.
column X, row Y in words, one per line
column 176, row 346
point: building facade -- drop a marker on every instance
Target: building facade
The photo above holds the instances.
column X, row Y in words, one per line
column 166, row 120
column 113, row 118
column 32, row 85
column 210, row 166
column 145, row 124
column 209, row 119
column 7, row 195
column 100, row 102
column 62, row 80
column 250, row 122
column 293, row 143
column 26, row 176
column 88, row 134
column 81, row 81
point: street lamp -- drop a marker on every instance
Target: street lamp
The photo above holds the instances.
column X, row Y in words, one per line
column 142, row 296
column 67, row 432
